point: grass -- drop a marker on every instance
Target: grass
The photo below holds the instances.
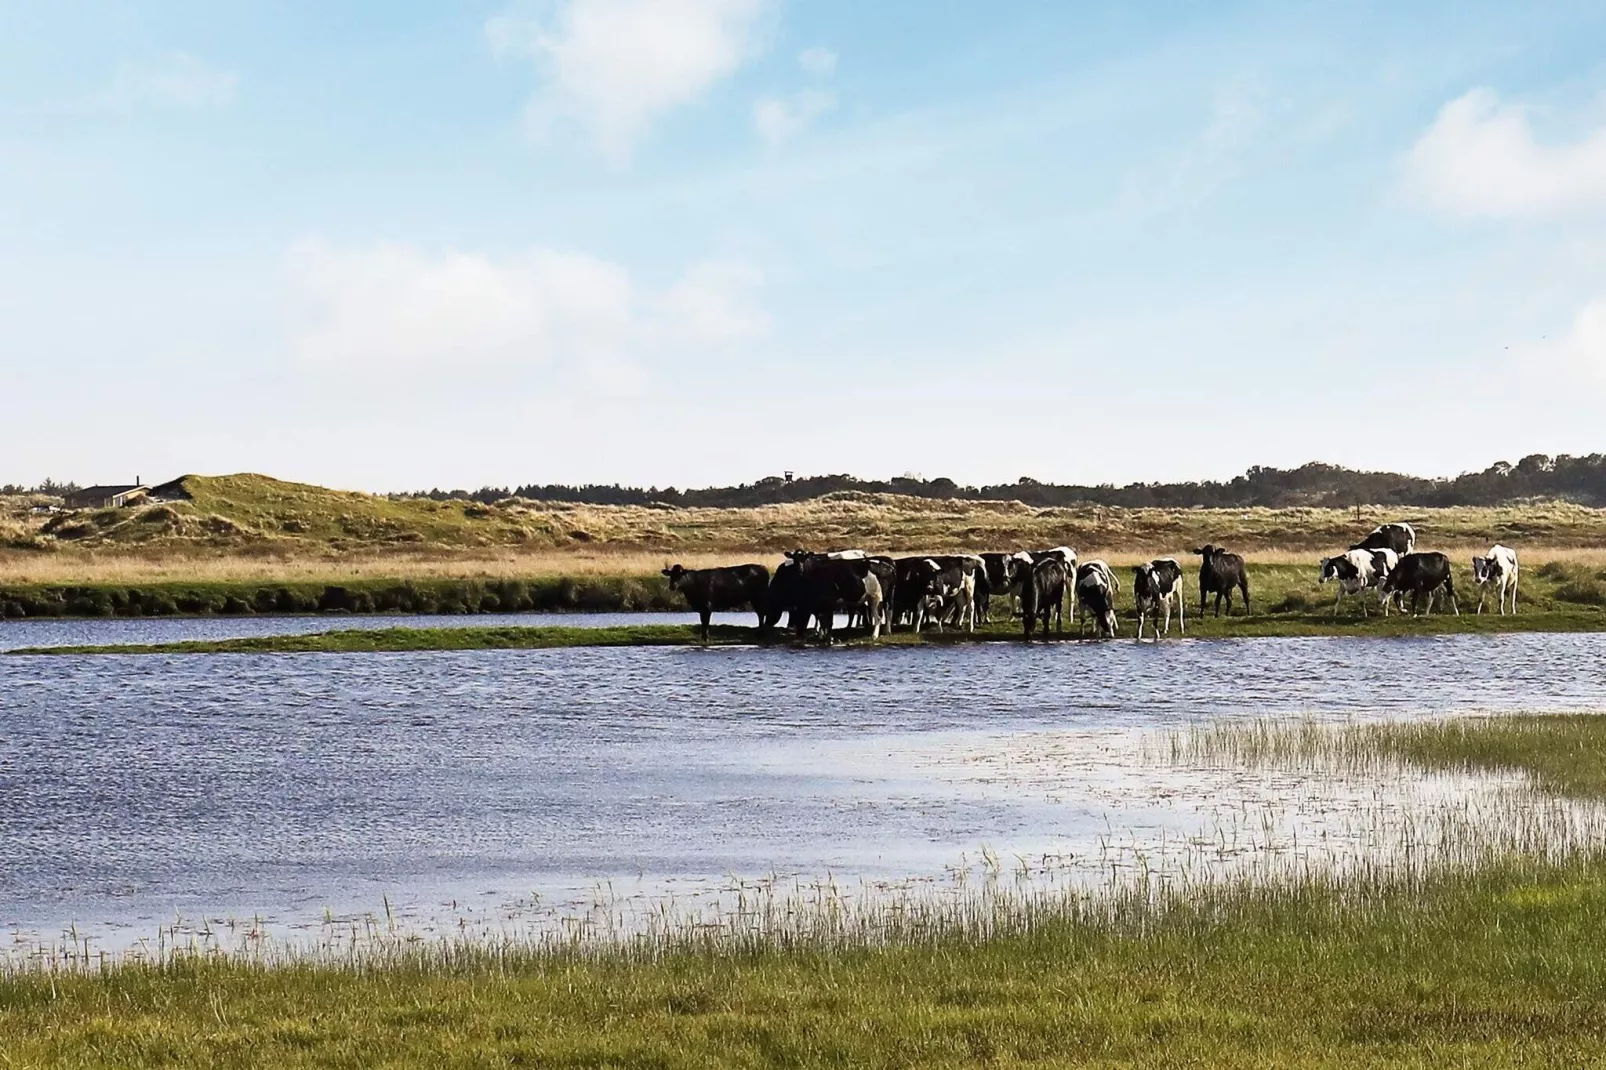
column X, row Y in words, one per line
column 245, row 528
column 1499, row 964
column 1563, row 754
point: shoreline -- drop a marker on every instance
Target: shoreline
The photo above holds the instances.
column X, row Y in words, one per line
column 463, row 638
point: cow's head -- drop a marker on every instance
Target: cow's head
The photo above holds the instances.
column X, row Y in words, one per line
column 1481, row 570
column 675, row 574
column 1206, row 551
column 1329, row 572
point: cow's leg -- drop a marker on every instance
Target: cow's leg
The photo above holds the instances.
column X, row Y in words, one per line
column 1182, row 614
column 706, row 614
column 1338, row 600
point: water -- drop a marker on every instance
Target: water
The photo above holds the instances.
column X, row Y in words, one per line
column 134, row 789
column 17, row 634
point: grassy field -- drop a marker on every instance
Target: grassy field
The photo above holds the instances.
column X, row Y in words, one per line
column 249, row 528
column 1503, row 965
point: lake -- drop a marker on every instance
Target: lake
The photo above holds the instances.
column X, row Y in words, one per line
column 137, row 789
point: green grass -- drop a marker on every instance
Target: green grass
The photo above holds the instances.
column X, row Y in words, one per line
column 1499, row 966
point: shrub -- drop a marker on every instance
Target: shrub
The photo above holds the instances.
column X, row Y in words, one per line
column 1294, row 602
column 1582, row 592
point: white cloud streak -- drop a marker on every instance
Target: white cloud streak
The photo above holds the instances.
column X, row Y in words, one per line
column 779, row 119
column 176, row 80
column 395, row 308
column 819, row 62
column 614, row 67
column 1480, row 158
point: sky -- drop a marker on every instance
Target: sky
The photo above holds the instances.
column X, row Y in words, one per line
column 394, row 245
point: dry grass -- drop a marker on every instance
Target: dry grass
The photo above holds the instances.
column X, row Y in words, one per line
column 254, row 528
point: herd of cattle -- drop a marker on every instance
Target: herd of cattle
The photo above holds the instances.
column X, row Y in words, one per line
column 958, row 590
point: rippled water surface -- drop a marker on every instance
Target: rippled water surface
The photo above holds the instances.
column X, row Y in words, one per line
column 17, row 634
column 136, row 788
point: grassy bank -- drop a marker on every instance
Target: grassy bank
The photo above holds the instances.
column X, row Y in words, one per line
column 1567, row 594
column 1499, row 966
column 556, row 594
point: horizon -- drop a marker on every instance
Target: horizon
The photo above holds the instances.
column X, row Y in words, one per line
column 798, row 477
column 698, row 242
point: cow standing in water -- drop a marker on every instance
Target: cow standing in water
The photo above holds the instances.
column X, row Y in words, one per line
column 710, row 590
column 1154, row 587
column 1497, row 570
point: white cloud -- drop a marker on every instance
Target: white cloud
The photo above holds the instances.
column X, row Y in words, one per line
column 715, row 302
column 175, row 80
column 1584, row 348
column 779, row 119
column 820, row 62
column 393, row 307
column 1206, row 163
column 1480, row 158
column 614, row 66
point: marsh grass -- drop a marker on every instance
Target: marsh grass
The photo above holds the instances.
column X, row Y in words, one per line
column 1563, row 754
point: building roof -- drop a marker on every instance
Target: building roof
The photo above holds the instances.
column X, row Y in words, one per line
column 107, row 491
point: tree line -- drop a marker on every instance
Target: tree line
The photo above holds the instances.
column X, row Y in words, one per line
column 1577, row 479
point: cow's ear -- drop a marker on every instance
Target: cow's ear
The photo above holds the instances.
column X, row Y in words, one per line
column 668, row 572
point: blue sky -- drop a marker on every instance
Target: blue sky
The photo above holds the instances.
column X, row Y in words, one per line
column 397, row 245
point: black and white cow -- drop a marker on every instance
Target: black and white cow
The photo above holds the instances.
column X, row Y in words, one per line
column 1497, row 570
column 1042, row 595
column 1154, row 587
column 1421, row 574
column 950, row 591
column 1002, row 574
column 1401, row 538
column 1095, row 591
column 711, row 590
column 1355, row 571
column 1067, row 557
column 1219, row 573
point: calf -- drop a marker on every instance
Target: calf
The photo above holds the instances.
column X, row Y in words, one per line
column 1154, row 587
column 1498, row 570
column 1354, row 571
column 1401, row 538
column 708, row 590
column 1219, row 573
column 1095, row 589
column 1042, row 595
column 1418, row 575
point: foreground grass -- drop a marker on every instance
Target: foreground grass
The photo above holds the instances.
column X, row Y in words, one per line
column 1500, row 966
column 1504, row 969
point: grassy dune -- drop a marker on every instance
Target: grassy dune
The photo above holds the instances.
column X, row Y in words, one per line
column 1498, row 966
column 245, row 528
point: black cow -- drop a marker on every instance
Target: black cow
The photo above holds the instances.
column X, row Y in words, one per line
column 1095, row 594
column 1421, row 574
column 818, row 585
column 708, row 590
column 1154, row 587
column 1401, row 538
column 1219, row 573
column 1042, row 595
